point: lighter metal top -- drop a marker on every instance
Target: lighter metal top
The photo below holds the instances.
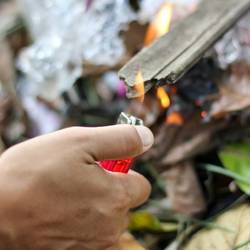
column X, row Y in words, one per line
column 129, row 119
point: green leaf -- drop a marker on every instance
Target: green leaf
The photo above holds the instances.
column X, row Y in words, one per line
column 143, row 220
column 226, row 172
column 236, row 158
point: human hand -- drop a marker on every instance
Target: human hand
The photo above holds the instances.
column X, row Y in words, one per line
column 53, row 195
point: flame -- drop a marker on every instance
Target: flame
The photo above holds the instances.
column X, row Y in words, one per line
column 163, row 97
column 204, row 114
column 139, row 86
column 175, row 118
column 160, row 25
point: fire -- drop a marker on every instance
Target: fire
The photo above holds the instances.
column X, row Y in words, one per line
column 175, row 118
column 204, row 114
column 163, row 97
column 139, row 86
column 160, row 25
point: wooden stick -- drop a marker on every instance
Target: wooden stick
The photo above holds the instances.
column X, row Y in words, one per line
column 171, row 56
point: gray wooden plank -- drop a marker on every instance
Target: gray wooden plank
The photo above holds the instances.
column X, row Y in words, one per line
column 168, row 58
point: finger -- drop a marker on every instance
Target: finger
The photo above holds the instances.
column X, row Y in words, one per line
column 137, row 187
column 117, row 142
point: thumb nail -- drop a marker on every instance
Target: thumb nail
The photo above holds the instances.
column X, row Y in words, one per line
column 146, row 136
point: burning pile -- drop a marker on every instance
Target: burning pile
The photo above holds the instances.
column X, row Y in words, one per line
column 198, row 114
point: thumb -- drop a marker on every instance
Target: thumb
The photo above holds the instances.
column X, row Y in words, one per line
column 117, row 142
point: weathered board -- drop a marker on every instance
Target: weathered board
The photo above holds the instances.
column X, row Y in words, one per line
column 171, row 56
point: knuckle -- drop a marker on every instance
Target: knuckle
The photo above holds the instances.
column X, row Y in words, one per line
column 104, row 214
column 108, row 242
column 136, row 142
column 122, row 204
column 111, row 239
column 109, row 235
column 123, row 200
column 131, row 144
column 81, row 140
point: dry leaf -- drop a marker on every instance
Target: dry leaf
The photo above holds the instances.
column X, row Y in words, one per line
column 235, row 93
column 6, row 106
column 175, row 144
column 229, row 102
column 237, row 232
column 184, row 190
column 7, row 73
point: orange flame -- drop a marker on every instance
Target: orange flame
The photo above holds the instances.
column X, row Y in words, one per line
column 204, row 114
column 139, row 86
column 175, row 118
column 160, row 25
column 163, row 97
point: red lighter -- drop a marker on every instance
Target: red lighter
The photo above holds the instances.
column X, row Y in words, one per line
column 122, row 166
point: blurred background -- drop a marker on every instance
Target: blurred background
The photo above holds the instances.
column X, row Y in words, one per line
column 58, row 68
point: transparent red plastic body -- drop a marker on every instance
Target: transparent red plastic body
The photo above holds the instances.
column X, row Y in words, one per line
column 121, row 166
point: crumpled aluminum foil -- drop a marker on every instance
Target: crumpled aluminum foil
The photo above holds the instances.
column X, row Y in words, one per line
column 235, row 45
column 66, row 33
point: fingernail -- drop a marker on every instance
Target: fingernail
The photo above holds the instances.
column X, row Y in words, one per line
column 146, row 136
